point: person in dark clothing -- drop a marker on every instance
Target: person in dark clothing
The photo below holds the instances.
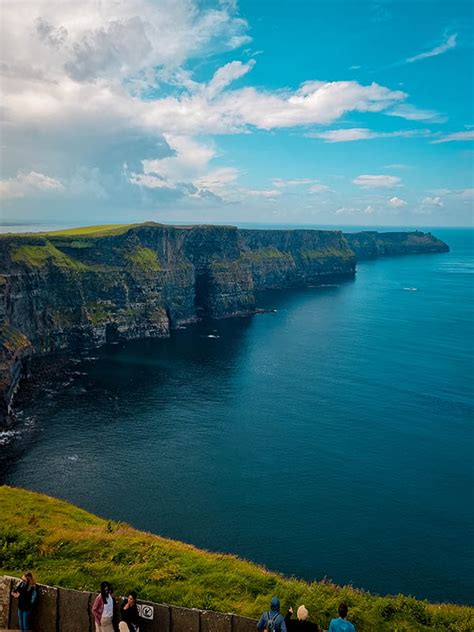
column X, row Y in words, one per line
column 300, row 623
column 130, row 618
column 272, row 620
column 27, row 594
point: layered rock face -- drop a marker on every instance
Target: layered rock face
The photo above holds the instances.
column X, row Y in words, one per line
column 371, row 244
column 69, row 290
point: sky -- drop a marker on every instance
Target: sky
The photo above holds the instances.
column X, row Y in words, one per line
column 261, row 111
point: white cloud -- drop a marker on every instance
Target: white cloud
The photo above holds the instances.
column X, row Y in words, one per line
column 369, row 210
column 226, row 75
column 456, row 136
column 448, row 44
column 412, row 113
column 265, row 193
column 362, row 133
column 24, row 184
column 397, row 202
column 313, row 186
column 377, row 181
column 296, row 182
column 319, row 188
column 432, row 201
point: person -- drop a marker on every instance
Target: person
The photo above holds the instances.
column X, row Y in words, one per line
column 301, row 622
column 130, row 618
column 341, row 624
column 272, row 620
column 103, row 609
column 27, row 595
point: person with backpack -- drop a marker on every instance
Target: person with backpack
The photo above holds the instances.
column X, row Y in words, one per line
column 272, row 620
column 27, row 594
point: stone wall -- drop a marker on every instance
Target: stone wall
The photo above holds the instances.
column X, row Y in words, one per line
column 61, row 610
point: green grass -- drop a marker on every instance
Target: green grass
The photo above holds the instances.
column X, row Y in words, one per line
column 93, row 231
column 69, row 547
column 38, row 256
column 143, row 259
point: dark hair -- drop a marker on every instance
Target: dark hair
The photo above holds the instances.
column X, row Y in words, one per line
column 343, row 610
column 103, row 587
column 133, row 594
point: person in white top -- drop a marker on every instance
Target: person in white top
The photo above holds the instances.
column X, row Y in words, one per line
column 103, row 609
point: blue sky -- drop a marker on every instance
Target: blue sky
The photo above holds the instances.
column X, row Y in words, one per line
column 341, row 112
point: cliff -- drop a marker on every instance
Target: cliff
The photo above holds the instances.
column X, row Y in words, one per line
column 85, row 287
column 68, row 546
column 371, row 244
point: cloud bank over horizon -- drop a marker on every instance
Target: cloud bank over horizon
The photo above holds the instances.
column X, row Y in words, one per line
column 168, row 111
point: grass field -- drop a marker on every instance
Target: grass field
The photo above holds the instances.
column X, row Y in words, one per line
column 67, row 546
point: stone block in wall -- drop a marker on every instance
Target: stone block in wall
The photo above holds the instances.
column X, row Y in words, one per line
column 184, row 620
column 215, row 622
column 243, row 624
column 161, row 617
column 46, row 609
column 5, row 588
column 73, row 611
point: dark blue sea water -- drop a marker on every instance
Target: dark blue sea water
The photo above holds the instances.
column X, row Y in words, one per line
column 331, row 438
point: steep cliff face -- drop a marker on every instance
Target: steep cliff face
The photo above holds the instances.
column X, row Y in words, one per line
column 73, row 289
column 371, row 244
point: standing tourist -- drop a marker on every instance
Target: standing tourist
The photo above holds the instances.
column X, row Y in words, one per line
column 341, row 624
column 27, row 594
column 301, row 623
column 272, row 620
column 103, row 609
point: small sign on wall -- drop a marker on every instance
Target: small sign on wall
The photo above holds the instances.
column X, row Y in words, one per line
column 145, row 611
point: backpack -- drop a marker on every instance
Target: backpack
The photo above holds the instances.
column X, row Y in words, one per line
column 271, row 622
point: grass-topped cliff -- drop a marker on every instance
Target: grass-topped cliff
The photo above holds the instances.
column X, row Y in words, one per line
column 69, row 547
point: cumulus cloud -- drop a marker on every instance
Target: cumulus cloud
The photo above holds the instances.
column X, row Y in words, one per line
column 397, row 202
column 377, row 181
column 456, row 136
column 448, row 44
column 432, row 201
column 24, row 184
column 105, row 89
column 362, row 133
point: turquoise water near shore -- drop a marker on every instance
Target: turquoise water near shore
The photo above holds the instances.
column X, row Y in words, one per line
column 332, row 437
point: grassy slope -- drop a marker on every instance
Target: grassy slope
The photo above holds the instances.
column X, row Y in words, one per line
column 68, row 546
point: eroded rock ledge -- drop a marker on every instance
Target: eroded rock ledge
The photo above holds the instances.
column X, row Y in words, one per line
column 60, row 291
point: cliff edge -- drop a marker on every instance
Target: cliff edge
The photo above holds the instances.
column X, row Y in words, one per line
column 85, row 287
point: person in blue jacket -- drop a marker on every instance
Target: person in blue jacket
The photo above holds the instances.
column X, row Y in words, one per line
column 341, row 624
column 272, row 620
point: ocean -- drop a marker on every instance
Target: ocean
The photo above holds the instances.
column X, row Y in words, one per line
column 330, row 438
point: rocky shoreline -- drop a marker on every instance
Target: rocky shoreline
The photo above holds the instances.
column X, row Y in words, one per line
column 70, row 291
